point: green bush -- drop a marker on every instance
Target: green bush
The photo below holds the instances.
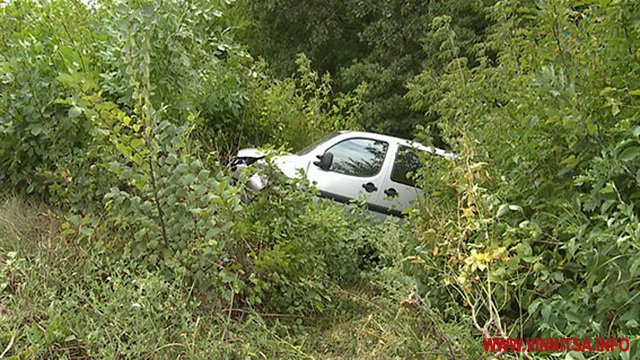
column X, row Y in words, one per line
column 46, row 60
column 122, row 116
column 534, row 230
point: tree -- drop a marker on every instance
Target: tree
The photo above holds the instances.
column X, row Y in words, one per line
column 380, row 43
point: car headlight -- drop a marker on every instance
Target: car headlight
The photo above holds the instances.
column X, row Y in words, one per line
column 241, row 162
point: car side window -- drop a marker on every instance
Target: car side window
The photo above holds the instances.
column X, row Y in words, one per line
column 405, row 166
column 358, row 157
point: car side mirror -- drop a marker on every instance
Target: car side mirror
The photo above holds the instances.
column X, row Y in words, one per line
column 324, row 161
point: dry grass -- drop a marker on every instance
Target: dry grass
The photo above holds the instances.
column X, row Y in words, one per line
column 29, row 227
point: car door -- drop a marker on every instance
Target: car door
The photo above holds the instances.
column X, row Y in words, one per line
column 399, row 190
column 357, row 168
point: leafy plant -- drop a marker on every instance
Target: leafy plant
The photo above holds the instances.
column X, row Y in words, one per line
column 545, row 241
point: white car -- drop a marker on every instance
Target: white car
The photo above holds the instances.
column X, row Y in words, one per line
column 346, row 164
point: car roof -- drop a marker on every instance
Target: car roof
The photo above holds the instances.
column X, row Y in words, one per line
column 401, row 141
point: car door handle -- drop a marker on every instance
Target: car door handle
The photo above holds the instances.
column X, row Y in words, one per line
column 391, row 192
column 370, row 187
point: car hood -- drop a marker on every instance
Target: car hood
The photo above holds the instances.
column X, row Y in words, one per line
column 251, row 153
column 289, row 164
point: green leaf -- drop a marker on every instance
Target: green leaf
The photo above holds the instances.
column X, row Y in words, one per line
column 75, row 220
column 546, row 312
column 632, row 323
column 203, row 175
column 534, row 306
column 200, row 190
column 188, row 179
column 137, row 143
column 74, row 111
column 515, row 208
column 615, row 109
column 182, row 168
column 502, row 210
column 37, row 129
column 630, row 153
column 171, row 159
column 634, row 269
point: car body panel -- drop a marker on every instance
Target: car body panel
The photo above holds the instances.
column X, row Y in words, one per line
column 344, row 187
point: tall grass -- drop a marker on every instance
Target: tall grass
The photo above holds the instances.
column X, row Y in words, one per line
column 62, row 299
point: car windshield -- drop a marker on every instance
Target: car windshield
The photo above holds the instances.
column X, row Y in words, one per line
column 307, row 149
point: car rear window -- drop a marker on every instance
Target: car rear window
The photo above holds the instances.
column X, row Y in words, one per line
column 405, row 166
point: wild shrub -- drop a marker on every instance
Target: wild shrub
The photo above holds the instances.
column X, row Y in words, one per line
column 47, row 56
column 536, row 223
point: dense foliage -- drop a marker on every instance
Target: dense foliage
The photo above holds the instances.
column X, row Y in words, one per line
column 377, row 44
column 552, row 175
column 122, row 232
